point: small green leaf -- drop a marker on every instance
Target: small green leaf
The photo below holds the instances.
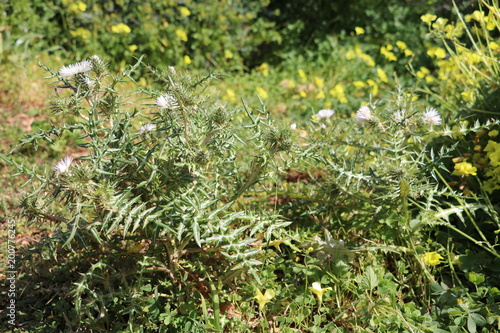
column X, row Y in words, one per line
column 475, row 278
column 196, row 233
column 478, row 319
column 471, row 324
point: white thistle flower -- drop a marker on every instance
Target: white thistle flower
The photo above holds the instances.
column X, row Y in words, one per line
column 325, row 113
column 89, row 82
column 364, row 114
column 167, row 102
column 399, row 116
column 84, row 66
column 146, row 128
column 431, row 117
column 64, row 164
column 293, row 126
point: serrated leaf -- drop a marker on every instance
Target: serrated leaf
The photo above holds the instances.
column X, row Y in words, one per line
column 369, row 280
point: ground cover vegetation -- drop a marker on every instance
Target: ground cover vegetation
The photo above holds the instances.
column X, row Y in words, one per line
column 251, row 166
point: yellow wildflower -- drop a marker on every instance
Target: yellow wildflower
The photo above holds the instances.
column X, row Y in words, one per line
column 319, row 82
column 374, row 86
column 428, row 18
column 491, row 22
column 77, row 7
column 263, row 299
column 468, row 96
column 464, row 169
column 132, row 47
column 302, row 75
column 318, row 291
column 401, row 45
column 382, row 76
column 184, row 11
column 440, row 24
column 350, row 54
column 385, row 50
column 367, row 59
column 437, row 52
column 228, row 54
column 423, row 72
column 121, row 28
column 359, row 84
column 477, row 15
column 264, row 68
column 186, row 60
column 82, row 33
column 338, row 92
column 231, row 95
column 181, row 34
column 493, row 133
column 262, row 93
column 320, row 95
column 493, row 152
column 432, row 258
column 359, row 30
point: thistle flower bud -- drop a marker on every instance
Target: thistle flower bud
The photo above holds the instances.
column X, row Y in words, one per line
column 201, row 157
column 59, row 105
column 99, row 66
column 278, row 139
column 219, row 117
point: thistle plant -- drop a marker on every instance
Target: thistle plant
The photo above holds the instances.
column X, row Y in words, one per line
column 378, row 175
column 382, row 159
column 153, row 201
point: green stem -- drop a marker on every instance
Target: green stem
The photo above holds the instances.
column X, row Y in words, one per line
column 478, row 243
column 215, row 305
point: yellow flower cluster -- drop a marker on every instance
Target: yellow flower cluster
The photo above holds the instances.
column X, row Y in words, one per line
column 492, row 150
column 339, row 93
column 465, row 68
column 386, row 51
column 74, row 7
column 490, row 21
column 121, row 28
column 389, row 51
column 82, row 33
column 357, row 53
column 425, row 73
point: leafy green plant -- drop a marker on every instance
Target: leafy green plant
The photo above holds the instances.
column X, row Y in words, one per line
column 222, row 34
column 147, row 222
